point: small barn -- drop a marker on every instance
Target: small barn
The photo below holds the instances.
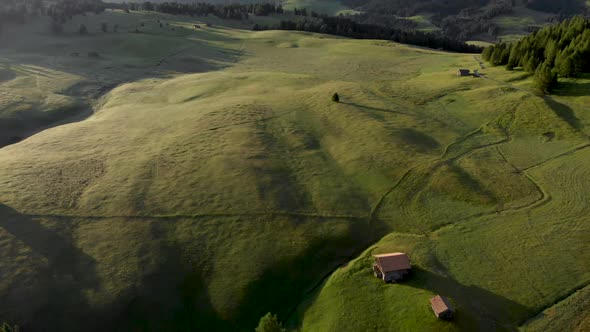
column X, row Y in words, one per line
column 442, row 308
column 463, row 72
column 391, row 267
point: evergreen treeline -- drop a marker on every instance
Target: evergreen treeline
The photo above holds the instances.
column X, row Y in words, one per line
column 63, row 10
column 461, row 19
column 17, row 11
column 472, row 21
column 230, row 11
column 562, row 49
column 346, row 27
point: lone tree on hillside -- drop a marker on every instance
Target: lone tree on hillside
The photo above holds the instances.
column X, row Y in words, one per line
column 335, row 98
column 269, row 323
column 83, row 29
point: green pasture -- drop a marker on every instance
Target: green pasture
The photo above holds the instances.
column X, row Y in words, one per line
column 197, row 178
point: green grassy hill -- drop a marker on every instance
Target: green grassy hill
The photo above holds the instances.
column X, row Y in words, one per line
column 217, row 182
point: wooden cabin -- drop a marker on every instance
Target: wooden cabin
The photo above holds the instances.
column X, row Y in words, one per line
column 391, row 267
column 442, row 308
column 463, row 72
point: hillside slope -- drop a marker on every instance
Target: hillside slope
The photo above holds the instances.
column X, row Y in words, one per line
column 218, row 182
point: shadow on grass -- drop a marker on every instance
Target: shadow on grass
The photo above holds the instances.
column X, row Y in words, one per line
column 477, row 309
column 571, row 89
column 422, row 142
column 191, row 53
column 375, row 109
column 472, row 183
column 288, row 284
column 565, row 112
column 52, row 295
column 173, row 298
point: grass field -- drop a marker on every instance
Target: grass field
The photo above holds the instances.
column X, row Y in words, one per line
column 424, row 23
column 206, row 178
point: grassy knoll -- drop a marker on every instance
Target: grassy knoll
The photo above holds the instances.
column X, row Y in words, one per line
column 217, row 182
column 473, row 217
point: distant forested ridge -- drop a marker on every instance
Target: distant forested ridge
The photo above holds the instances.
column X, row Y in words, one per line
column 18, row 11
column 451, row 7
column 559, row 50
column 234, row 11
column 461, row 19
column 397, row 30
column 347, row 27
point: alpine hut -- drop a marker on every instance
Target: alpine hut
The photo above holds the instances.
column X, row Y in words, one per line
column 391, row 267
column 463, row 72
column 442, row 307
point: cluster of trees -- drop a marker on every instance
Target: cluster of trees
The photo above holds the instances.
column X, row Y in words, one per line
column 460, row 19
column 343, row 26
column 452, row 7
column 474, row 21
column 229, row 11
column 412, row 7
column 17, row 11
column 63, row 10
column 562, row 49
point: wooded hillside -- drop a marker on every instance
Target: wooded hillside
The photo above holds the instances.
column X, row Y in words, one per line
column 562, row 49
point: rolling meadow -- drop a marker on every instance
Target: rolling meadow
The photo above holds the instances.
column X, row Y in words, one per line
column 167, row 177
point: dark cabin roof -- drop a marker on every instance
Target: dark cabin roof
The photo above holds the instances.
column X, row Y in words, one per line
column 440, row 304
column 393, row 262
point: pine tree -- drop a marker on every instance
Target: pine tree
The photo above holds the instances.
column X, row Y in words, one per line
column 550, row 52
column 532, row 63
column 545, row 79
column 566, row 67
column 269, row 323
column 487, row 53
column 513, row 57
column 336, row 98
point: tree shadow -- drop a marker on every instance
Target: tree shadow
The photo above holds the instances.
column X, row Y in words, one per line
column 422, row 142
column 565, row 112
column 51, row 294
column 477, row 309
column 572, row 89
column 375, row 109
